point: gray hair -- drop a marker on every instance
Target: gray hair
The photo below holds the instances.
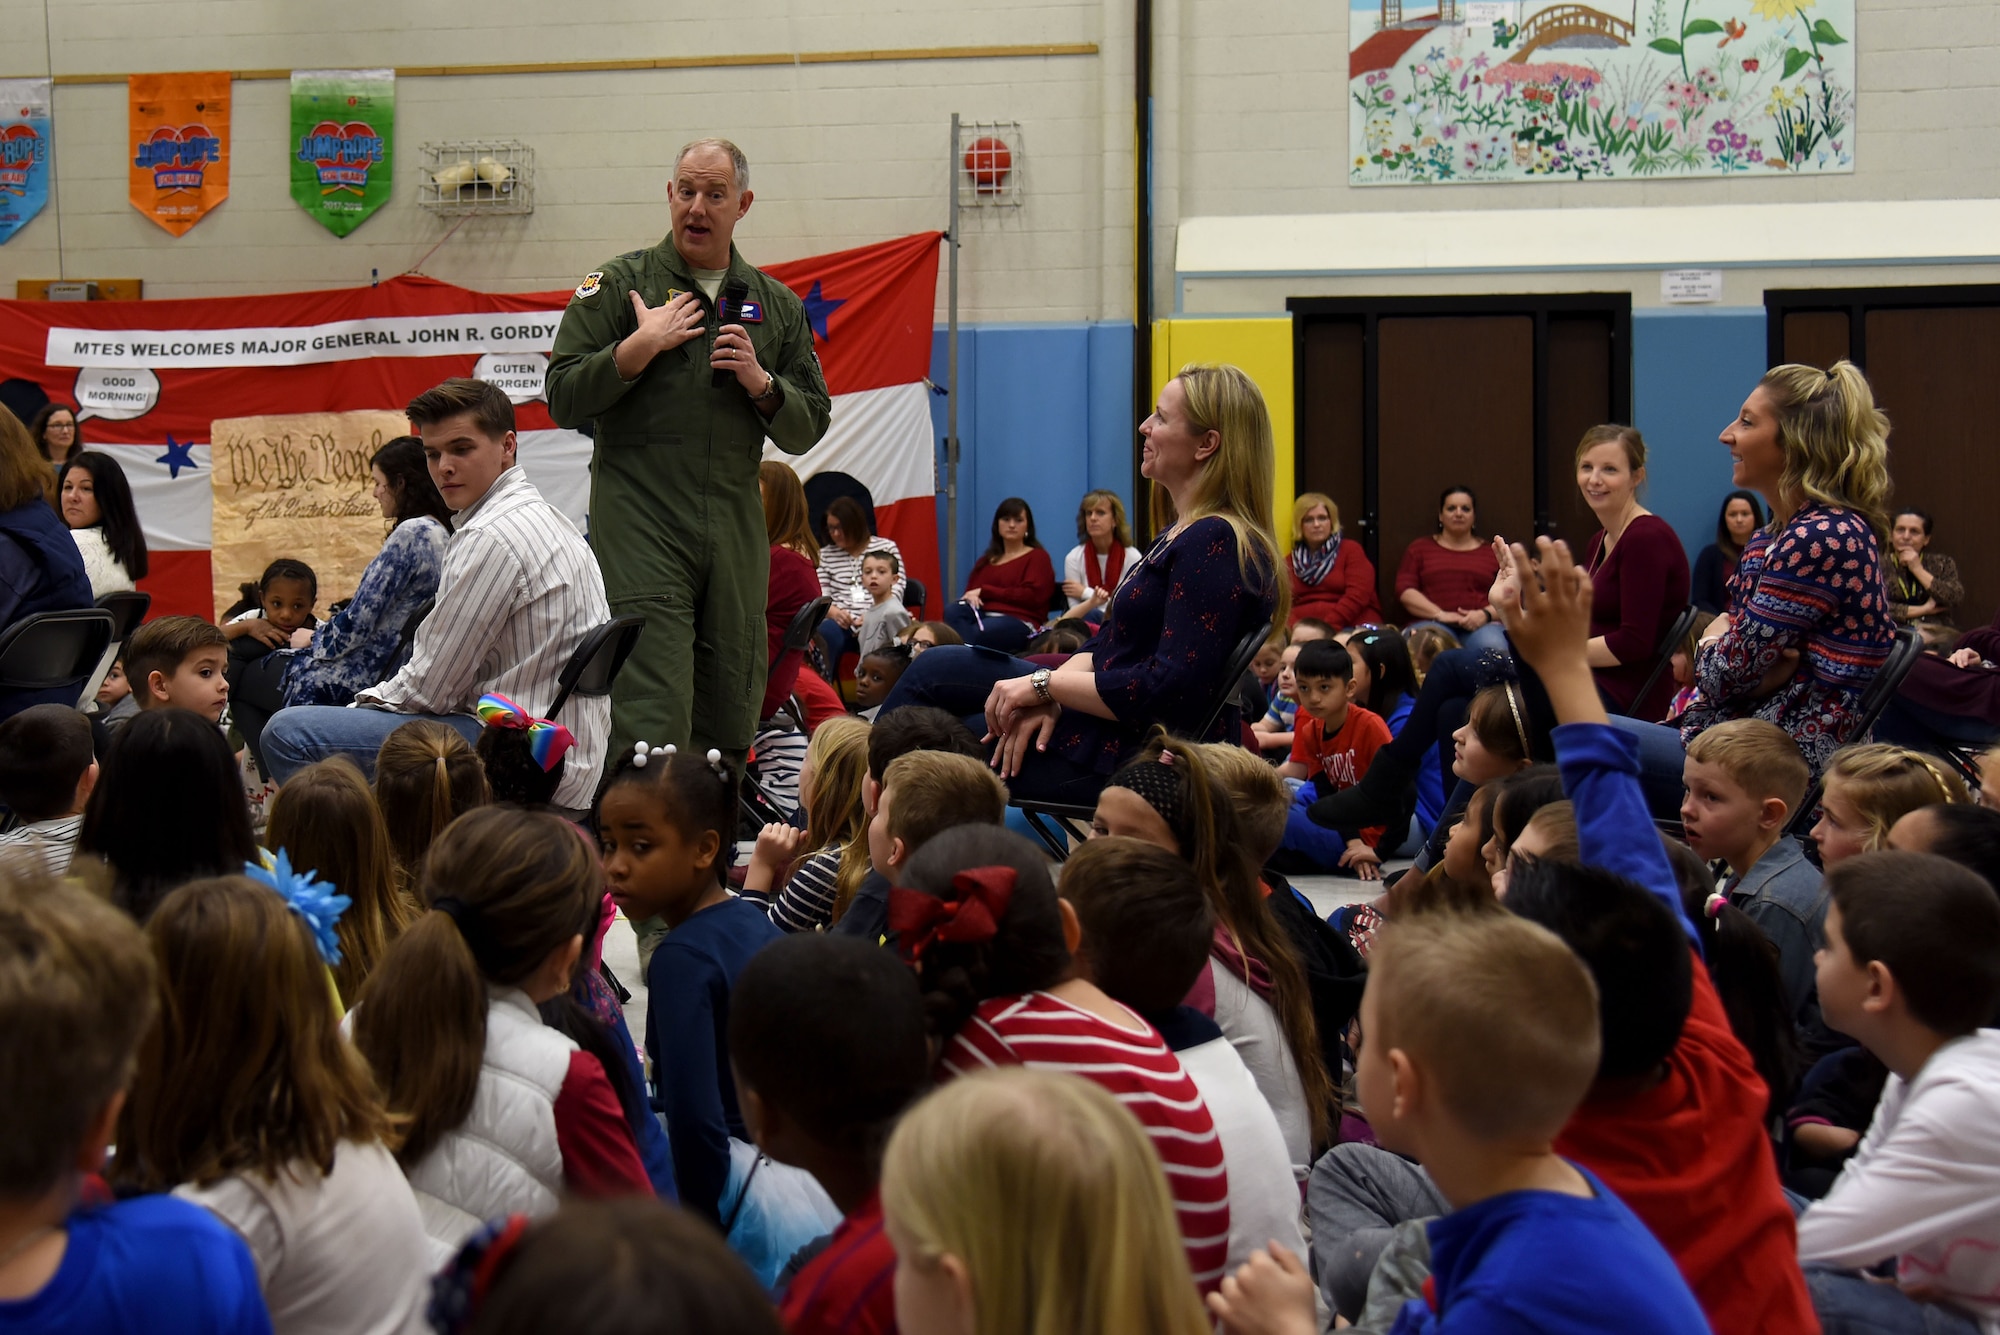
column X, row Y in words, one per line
column 740, row 163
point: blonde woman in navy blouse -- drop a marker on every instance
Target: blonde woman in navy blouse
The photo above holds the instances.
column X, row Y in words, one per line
column 1211, row 578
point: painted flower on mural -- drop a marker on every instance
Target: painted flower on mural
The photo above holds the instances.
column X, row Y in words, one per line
column 1777, row 11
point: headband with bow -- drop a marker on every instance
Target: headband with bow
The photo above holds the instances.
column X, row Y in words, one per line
column 547, row 739
column 970, row 917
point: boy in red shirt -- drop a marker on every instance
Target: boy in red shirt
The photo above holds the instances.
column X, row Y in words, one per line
column 1333, row 744
column 826, row 1034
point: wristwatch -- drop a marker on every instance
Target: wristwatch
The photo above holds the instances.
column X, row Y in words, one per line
column 770, row 389
column 1039, row 679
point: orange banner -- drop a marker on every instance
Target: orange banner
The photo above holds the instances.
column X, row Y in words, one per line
column 179, row 146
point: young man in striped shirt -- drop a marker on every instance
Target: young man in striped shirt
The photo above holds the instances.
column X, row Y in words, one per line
column 520, row 590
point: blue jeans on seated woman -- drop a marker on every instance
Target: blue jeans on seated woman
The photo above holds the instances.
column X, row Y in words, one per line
column 1851, row 1304
column 957, row 679
column 991, row 630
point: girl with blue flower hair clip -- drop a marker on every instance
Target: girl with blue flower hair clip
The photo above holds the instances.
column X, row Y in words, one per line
column 247, row 1100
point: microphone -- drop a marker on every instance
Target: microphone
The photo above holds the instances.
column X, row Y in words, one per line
column 729, row 310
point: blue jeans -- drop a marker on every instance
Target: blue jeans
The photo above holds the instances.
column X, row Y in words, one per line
column 991, row 630
column 840, row 642
column 1851, row 1304
column 1662, row 763
column 957, row 679
column 304, row 734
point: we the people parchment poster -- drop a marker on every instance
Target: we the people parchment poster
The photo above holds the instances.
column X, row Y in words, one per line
column 297, row 485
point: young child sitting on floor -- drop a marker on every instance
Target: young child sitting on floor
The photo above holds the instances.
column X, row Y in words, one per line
column 819, row 888
column 47, row 770
column 524, row 757
column 993, row 948
column 1275, row 730
column 248, row 1101
column 1145, row 929
column 115, row 701
column 169, row 808
column 910, row 729
column 1912, row 969
column 1479, row 1040
column 1745, row 779
column 76, row 997
column 1332, row 746
column 279, row 603
column 179, row 663
column 426, row 776
column 876, row 675
column 1027, row 1203
column 1867, row 789
column 826, row 1036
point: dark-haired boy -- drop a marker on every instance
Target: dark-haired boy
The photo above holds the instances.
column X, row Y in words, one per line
column 1147, row 930
column 47, row 770
column 179, row 663
column 1911, row 969
column 76, row 996
column 826, row 1035
column 911, row 728
column 1333, row 745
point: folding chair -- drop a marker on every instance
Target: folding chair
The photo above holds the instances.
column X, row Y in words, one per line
column 1665, row 657
column 1903, row 654
column 594, row 666
column 54, row 650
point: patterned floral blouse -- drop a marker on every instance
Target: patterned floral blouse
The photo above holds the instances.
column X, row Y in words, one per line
column 356, row 648
column 1815, row 586
column 1159, row 658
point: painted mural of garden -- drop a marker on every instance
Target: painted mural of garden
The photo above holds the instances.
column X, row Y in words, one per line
column 1518, row 90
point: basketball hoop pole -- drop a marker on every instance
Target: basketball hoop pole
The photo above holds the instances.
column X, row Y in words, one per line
column 951, row 383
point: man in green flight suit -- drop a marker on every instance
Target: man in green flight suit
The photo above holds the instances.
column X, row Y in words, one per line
column 675, row 516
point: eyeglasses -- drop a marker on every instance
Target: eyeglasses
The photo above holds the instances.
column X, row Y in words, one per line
column 60, row 426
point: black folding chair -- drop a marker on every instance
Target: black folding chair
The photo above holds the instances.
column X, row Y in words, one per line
column 1669, row 644
column 914, row 596
column 128, row 608
column 594, row 666
column 1056, row 824
column 1903, row 654
column 54, row 650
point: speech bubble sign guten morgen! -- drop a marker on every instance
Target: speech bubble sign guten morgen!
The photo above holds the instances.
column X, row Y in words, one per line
column 177, row 149
column 297, row 486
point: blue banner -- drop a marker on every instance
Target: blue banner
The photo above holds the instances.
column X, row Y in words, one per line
column 24, row 152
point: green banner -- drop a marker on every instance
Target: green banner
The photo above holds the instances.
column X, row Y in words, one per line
column 343, row 137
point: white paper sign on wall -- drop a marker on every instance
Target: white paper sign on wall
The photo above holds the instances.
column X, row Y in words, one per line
column 1686, row 286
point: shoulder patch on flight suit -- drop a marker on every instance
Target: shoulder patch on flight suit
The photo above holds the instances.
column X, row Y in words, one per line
column 589, row 287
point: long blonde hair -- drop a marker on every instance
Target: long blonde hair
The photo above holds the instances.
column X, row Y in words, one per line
column 838, row 755
column 1051, row 1196
column 1237, row 483
column 1836, row 441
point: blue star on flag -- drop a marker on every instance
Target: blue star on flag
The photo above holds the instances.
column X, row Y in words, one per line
column 820, row 309
column 178, row 456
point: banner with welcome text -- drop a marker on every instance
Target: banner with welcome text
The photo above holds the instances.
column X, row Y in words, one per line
column 148, row 378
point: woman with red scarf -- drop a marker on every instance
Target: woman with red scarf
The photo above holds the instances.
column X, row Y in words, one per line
column 1331, row 579
column 1102, row 555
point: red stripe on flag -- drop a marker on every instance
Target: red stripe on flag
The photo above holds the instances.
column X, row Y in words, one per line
column 912, row 526
column 181, row 585
column 877, row 305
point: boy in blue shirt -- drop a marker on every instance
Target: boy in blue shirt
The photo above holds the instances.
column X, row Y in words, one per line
column 1479, row 1038
column 76, row 996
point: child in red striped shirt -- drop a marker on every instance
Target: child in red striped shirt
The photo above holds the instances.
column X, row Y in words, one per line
column 993, row 947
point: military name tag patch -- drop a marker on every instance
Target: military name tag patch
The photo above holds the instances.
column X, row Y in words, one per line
column 589, row 286
column 751, row 313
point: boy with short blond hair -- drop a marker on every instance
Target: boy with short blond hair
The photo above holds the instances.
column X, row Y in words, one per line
column 1911, row 969
column 179, row 663
column 1745, row 780
column 924, row 794
column 887, row 615
column 76, row 997
column 1479, row 1039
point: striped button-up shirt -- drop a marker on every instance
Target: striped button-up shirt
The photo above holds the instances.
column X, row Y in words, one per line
column 519, row 592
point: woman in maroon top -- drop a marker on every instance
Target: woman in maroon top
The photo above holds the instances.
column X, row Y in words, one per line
column 1638, row 572
column 794, row 575
column 1009, row 592
column 1331, row 579
column 1445, row 578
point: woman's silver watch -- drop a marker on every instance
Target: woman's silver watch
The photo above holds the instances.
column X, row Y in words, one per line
column 1039, row 679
